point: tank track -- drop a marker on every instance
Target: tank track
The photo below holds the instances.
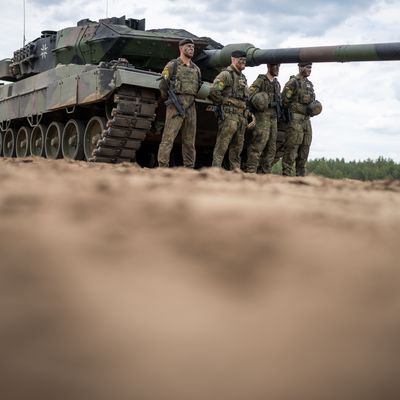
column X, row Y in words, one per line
column 130, row 121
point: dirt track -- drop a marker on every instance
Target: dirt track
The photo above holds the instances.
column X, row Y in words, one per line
column 125, row 283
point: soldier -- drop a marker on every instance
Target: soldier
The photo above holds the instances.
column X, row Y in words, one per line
column 299, row 98
column 265, row 99
column 229, row 90
column 183, row 76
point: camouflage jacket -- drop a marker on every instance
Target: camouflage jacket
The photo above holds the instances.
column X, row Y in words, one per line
column 230, row 88
column 297, row 94
column 184, row 79
column 272, row 88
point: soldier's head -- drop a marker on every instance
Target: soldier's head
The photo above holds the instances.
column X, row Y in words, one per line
column 186, row 47
column 305, row 68
column 273, row 69
column 238, row 59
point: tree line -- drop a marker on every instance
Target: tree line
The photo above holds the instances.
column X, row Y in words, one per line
column 381, row 168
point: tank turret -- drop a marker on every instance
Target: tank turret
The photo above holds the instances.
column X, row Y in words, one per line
column 33, row 58
column 94, row 42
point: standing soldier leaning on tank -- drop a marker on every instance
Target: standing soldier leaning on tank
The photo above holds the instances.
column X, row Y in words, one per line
column 298, row 97
column 182, row 78
column 265, row 100
column 230, row 92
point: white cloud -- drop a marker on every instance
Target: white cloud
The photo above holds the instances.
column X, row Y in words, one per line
column 361, row 100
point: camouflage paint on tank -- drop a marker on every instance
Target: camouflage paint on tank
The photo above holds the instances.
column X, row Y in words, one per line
column 100, row 42
column 340, row 53
column 92, row 42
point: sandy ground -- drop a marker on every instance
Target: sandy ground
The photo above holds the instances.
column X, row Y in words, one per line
column 125, row 283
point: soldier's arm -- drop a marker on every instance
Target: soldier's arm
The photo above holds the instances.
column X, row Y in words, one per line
column 289, row 91
column 277, row 92
column 198, row 71
column 166, row 74
column 219, row 84
column 255, row 87
column 200, row 79
column 313, row 97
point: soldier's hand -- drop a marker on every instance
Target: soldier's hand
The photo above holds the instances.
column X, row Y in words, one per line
column 163, row 95
column 252, row 120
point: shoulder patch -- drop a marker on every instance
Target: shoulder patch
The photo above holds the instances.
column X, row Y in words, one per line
column 165, row 72
column 288, row 94
column 225, row 77
column 219, row 85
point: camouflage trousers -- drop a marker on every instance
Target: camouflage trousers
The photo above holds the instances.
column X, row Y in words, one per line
column 230, row 135
column 280, row 142
column 262, row 147
column 173, row 124
column 297, row 146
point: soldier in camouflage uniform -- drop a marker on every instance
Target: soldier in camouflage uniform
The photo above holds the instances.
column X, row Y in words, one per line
column 297, row 94
column 184, row 77
column 230, row 91
column 265, row 98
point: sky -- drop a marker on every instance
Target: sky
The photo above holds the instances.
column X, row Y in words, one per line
column 361, row 100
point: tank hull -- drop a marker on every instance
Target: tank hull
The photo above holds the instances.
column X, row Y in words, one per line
column 121, row 101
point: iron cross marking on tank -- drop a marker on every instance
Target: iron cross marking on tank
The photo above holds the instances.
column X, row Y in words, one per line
column 43, row 51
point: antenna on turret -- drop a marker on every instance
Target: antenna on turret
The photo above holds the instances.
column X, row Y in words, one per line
column 24, row 39
column 106, row 8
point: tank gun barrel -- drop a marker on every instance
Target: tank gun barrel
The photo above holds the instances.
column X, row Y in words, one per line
column 339, row 53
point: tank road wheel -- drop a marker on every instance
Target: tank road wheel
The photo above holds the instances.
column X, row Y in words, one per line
column 37, row 140
column 72, row 140
column 53, row 140
column 23, row 139
column 9, row 143
column 93, row 131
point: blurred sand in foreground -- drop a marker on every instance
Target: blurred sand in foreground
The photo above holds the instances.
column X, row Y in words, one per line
column 118, row 282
